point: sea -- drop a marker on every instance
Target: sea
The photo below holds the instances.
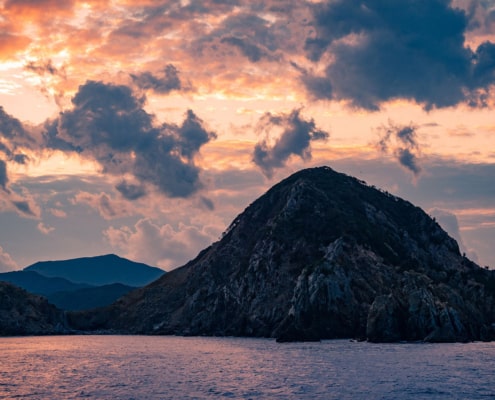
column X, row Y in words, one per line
column 170, row 367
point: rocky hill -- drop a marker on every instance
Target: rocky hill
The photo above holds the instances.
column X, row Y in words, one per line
column 320, row 255
column 22, row 313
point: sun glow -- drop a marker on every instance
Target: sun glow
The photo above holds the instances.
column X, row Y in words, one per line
column 54, row 163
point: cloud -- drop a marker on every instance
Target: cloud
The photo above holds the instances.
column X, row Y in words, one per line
column 109, row 124
column 6, row 262
column 295, row 139
column 58, row 213
column 168, row 81
column 42, row 68
column 484, row 65
column 11, row 43
column 13, row 139
column 130, row 191
column 44, row 228
column 162, row 246
column 3, row 176
column 107, row 207
column 50, row 78
column 449, row 222
column 207, row 203
column 253, row 52
column 481, row 15
column 10, row 201
column 26, row 208
column 402, row 142
column 248, row 30
column 376, row 50
column 12, row 130
column 37, row 10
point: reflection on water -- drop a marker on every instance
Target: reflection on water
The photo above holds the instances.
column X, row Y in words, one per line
column 157, row 367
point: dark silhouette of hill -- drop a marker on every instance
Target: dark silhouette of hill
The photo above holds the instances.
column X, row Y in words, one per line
column 53, row 280
column 87, row 298
column 98, row 271
column 321, row 255
column 38, row 284
column 22, row 313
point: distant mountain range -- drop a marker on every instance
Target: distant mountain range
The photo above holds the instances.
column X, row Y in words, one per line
column 36, row 283
column 83, row 283
column 100, row 270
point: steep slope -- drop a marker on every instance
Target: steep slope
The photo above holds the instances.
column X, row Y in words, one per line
column 320, row 255
column 100, row 270
column 22, row 313
column 38, row 284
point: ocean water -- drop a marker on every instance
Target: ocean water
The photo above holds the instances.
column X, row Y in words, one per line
column 168, row 367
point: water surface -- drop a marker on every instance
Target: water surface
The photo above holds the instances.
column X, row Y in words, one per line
column 168, row 367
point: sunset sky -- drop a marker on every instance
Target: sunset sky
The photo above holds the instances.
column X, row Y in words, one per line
column 143, row 127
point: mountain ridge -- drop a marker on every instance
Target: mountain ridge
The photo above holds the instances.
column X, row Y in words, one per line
column 104, row 272
column 36, row 283
column 320, row 255
column 99, row 270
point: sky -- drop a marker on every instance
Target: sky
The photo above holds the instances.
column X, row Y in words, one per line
column 143, row 127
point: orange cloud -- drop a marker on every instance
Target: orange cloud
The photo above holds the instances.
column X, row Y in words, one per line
column 10, row 44
column 38, row 9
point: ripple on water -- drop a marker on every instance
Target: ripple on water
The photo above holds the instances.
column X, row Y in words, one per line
column 137, row 367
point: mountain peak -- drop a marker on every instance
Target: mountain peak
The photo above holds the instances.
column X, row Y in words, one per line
column 322, row 205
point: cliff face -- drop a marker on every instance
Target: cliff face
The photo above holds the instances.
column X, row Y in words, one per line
column 320, row 255
column 22, row 313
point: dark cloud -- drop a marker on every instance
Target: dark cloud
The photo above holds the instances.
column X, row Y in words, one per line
column 42, row 68
column 168, row 81
column 4, row 149
column 402, row 142
column 106, row 116
column 191, row 134
column 14, row 134
column 319, row 87
column 210, row 206
column 167, row 160
column 295, row 139
column 24, row 207
column 20, row 158
column 4, row 180
column 484, row 65
column 255, row 37
column 408, row 160
column 130, row 191
column 383, row 50
column 251, row 51
column 13, row 130
column 53, row 140
column 109, row 124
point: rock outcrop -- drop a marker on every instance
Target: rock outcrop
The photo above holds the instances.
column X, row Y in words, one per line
column 22, row 313
column 321, row 255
